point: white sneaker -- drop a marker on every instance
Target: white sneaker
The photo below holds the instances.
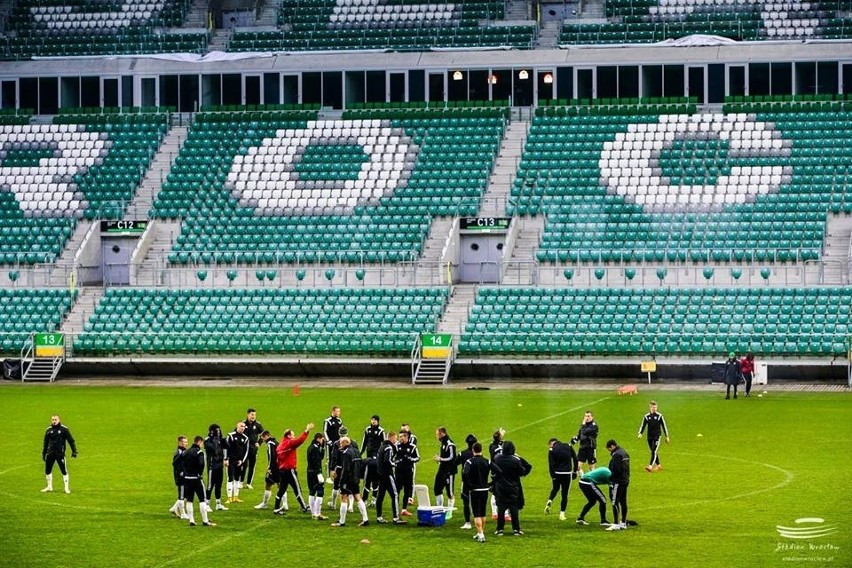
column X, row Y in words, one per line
column 616, row 527
column 47, row 490
column 562, row 515
column 466, row 526
column 261, row 506
column 479, row 537
column 623, row 526
column 547, row 507
column 67, row 490
column 221, row 507
column 248, row 486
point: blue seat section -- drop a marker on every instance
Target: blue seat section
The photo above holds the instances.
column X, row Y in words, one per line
column 663, row 182
column 651, row 21
column 557, row 322
column 67, row 28
column 344, row 321
column 280, row 186
column 24, row 311
column 400, row 25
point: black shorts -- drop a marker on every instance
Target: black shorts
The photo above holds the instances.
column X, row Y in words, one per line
column 314, row 484
column 587, row 455
column 478, row 503
column 271, row 477
column 349, row 488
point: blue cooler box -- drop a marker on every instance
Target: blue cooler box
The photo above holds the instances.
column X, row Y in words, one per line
column 432, row 517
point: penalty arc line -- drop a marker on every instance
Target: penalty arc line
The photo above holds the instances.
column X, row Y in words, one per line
column 788, row 478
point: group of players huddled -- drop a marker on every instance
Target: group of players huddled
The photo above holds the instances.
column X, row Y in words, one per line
column 385, row 466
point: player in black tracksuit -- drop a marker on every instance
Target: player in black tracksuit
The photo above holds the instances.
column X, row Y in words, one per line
column 374, row 437
column 193, row 472
column 465, row 455
column 385, row 467
column 236, row 456
column 562, row 463
column 56, row 436
column 447, row 469
column 587, row 435
column 619, row 466
column 253, row 430
column 177, row 471
column 348, row 471
column 475, row 476
column 656, row 425
column 214, row 448
column 271, row 477
column 407, row 456
column 316, row 489
column 331, row 433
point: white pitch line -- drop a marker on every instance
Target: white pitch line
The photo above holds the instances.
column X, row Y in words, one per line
column 213, row 544
column 552, row 416
column 788, row 478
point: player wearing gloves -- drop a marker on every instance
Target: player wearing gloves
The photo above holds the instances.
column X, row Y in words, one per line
column 53, row 451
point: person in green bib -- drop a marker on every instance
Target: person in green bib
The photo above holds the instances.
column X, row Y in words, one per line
column 589, row 486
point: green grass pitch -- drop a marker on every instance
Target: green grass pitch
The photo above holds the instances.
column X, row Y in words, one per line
column 735, row 470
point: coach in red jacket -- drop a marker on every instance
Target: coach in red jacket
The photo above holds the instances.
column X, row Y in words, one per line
column 287, row 477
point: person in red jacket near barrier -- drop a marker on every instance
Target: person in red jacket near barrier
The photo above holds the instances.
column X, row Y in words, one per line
column 747, row 368
column 286, row 453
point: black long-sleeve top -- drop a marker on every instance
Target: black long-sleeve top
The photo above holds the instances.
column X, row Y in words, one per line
column 316, row 453
column 561, row 459
column 619, row 466
column 55, row 439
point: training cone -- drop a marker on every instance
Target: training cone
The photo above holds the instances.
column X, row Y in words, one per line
column 296, row 390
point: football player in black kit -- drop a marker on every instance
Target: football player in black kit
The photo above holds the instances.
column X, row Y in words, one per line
column 619, row 466
column 447, row 469
column 385, row 468
column 562, row 463
column 374, row 436
column 214, row 448
column 253, row 431
column 236, row 455
column 407, row 456
column 56, row 437
column 316, row 488
column 271, row 477
column 177, row 471
column 193, row 470
column 588, row 438
column 656, row 425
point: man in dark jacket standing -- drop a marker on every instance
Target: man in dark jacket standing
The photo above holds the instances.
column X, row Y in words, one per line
column 316, row 487
column 214, row 448
column 619, row 467
column 562, row 463
column 733, row 374
column 588, row 438
column 236, row 456
column 447, row 469
column 193, row 472
column 271, row 477
column 509, row 468
column 53, row 451
column 475, row 473
column 407, row 456
column 177, row 471
column 386, row 470
column 253, row 431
